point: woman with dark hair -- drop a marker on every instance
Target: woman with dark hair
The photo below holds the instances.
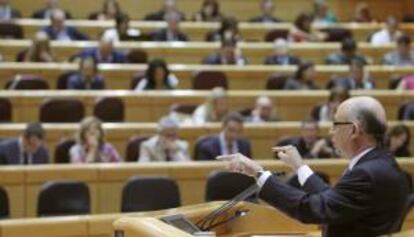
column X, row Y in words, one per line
column 210, row 11
column 157, row 77
column 121, row 31
column 110, row 9
column 303, row 79
column 398, row 141
column 39, row 51
column 87, row 76
column 302, row 31
column 229, row 29
column 326, row 111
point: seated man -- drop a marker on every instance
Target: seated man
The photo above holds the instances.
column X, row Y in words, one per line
column 104, row 53
column 387, row 35
column 229, row 140
column 122, row 31
column 348, row 53
column 281, row 55
column 172, row 32
column 27, row 149
column 357, row 79
column 165, row 146
column 228, row 54
column 267, row 7
column 58, row 31
column 402, row 55
column 46, row 12
column 7, row 12
column 168, row 6
column 262, row 111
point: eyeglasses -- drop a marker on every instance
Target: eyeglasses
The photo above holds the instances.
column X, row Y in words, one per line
column 341, row 123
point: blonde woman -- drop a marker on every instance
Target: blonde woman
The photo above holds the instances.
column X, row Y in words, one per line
column 91, row 146
column 214, row 109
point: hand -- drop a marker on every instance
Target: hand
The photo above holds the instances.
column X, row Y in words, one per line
column 290, row 155
column 171, row 146
column 241, row 164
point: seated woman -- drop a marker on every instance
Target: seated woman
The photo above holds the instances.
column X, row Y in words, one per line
column 87, row 76
column 214, row 109
column 303, row 79
column 39, row 51
column 229, row 29
column 121, row 31
column 398, row 141
column 157, row 77
column 91, row 146
column 322, row 13
column 326, row 112
column 302, row 31
column 110, row 9
column 210, row 12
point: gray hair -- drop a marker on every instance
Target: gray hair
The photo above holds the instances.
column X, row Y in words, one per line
column 167, row 123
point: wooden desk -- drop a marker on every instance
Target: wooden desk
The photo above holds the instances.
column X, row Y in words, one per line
column 194, row 52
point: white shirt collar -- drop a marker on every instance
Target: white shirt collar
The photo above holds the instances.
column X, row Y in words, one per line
column 358, row 157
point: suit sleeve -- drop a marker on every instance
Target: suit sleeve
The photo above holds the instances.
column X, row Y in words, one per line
column 345, row 202
column 203, row 153
column 314, row 184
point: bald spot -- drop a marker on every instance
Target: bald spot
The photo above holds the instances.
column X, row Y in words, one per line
column 353, row 106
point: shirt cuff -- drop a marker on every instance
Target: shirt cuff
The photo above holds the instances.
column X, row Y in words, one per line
column 304, row 172
column 263, row 178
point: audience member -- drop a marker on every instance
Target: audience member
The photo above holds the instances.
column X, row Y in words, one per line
column 87, row 76
column 321, row 13
column 229, row 29
column 263, row 111
column 303, row 79
column 27, row 149
column 165, row 146
column 172, row 32
column 281, row 55
column 363, row 13
column 157, row 77
column 210, row 12
column 91, row 146
column 46, row 12
column 267, row 8
column 302, row 31
column 327, row 111
column 358, row 78
column 229, row 141
column 389, row 34
column 40, row 50
column 406, row 83
column 104, row 53
column 402, row 55
column 167, row 7
column 110, row 9
column 213, row 109
column 229, row 54
column 57, row 30
column 121, row 31
column 348, row 53
column 323, row 148
column 398, row 140
column 7, row 12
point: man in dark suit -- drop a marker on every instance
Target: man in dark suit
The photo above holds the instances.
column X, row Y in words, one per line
column 267, row 8
column 57, row 30
column 25, row 150
column 168, row 6
column 104, row 53
column 45, row 12
column 228, row 54
column 358, row 78
column 349, row 52
column 172, row 32
column 281, row 55
column 227, row 142
column 7, row 12
column 368, row 200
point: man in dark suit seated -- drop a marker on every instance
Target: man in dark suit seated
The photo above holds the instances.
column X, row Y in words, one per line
column 25, row 150
column 368, row 200
column 58, row 31
column 172, row 32
column 45, row 12
column 281, row 55
column 7, row 12
column 228, row 54
column 349, row 52
column 358, row 78
column 267, row 7
column 104, row 53
column 227, row 142
column 168, row 6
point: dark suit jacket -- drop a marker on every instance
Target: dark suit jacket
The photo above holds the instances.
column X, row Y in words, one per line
column 41, row 14
column 116, row 57
column 215, row 59
column 209, row 148
column 282, row 60
column 76, row 82
column 161, row 35
column 367, row 201
column 159, row 16
column 72, row 32
column 347, row 83
column 265, row 19
column 10, row 153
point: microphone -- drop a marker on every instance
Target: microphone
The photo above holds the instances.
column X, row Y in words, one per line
column 206, row 223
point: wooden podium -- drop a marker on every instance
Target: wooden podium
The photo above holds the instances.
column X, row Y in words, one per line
column 261, row 220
